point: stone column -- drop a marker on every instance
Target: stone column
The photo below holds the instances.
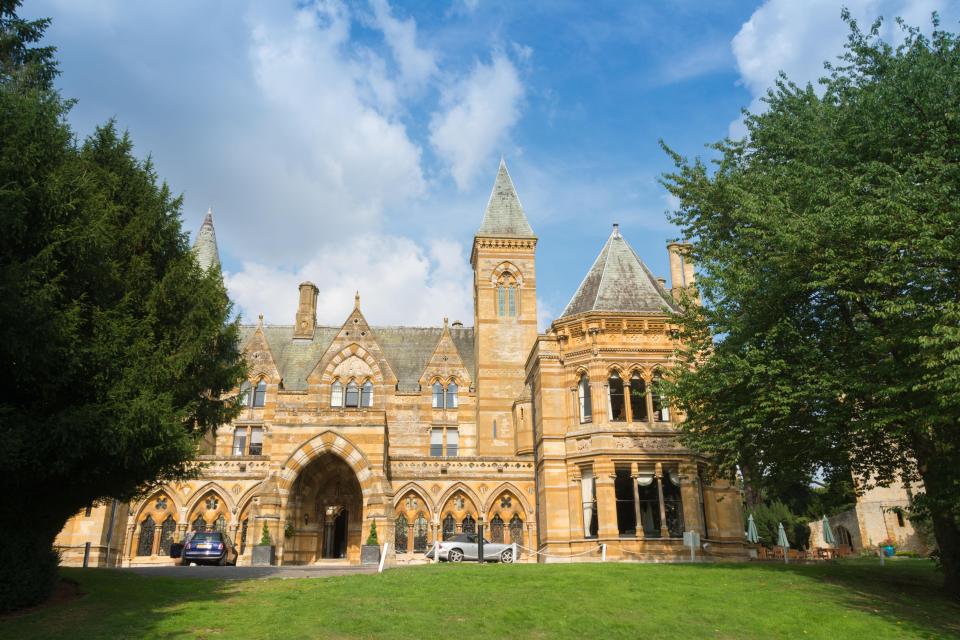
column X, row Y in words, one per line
column 634, row 476
column 664, row 531
column 604, row 475
column 690, row 495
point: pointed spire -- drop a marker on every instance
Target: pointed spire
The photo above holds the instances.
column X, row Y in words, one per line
column 205, row 246
column 618, row 281
column 356, row 300
column 504, row 215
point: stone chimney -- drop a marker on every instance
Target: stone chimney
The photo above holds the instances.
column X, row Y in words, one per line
column 681, row 269
column 306, row 311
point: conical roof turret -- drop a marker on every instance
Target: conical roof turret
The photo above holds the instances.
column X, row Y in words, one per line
column 205, row 246
column 504, row 216
column 619, row 281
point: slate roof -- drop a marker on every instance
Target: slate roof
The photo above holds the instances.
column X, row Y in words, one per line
column 619, row 281
column 205, row 246
column 504, row 215
column 406, row 349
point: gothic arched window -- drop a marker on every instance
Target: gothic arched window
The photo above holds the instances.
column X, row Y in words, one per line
column 353, row 394
column 260, row 393
column 166, row 535
column 618, row 408
column 145, row 542
column 400, row 533
column 508, row 293
column 469, row 525
column 638, row 398
column 220, row 524
column 449, row 527
column 366, row 394
column 246, row 397
column 420, row 533
column 437, row 395
column 452, row 390
column 583, row 395
column 336, row 394
column 661, row 412
column 516, row 529
column 496, row 529
column 199, row 524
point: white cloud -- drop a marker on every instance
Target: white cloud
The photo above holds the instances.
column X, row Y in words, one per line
column 417, row 65
column 480, row 110
column 797, row 37
column 400, row 282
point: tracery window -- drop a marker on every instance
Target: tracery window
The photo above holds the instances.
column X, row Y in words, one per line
column 199, row 524
column 336, row 394
column 496, row 529
column 507, row 295
column 583, row 395
column 420, row 533
column 449, row 527
column 638, row 398
column 366, row 394
column 220, row 524
column 412, row 503
column 469, row 525
column 353, row 394
column 145, row 542
column 161, row 503
column 167, row 530
column 212, row 503
column 400, row 533
column 260, row 393
column 437, row 395
column 618, row 409
column 661, row 412
column 516, row 529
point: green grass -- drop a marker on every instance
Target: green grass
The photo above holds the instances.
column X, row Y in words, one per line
column 856, row 599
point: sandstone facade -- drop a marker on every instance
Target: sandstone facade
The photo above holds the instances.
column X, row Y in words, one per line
column 558, row 441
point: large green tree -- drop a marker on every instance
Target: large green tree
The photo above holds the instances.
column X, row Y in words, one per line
column 828, row 243
column 114, row 344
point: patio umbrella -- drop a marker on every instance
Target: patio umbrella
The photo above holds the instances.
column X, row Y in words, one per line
column 782, row 541
column 752, row 536
column 828, row 533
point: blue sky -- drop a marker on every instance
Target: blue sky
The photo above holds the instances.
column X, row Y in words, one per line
column 355, row 144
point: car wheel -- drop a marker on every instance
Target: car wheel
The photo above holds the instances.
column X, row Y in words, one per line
column 455, row 555
column 506, row 556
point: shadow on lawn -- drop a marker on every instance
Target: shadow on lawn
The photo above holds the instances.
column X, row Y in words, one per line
column 904, row 591
column 120, row 604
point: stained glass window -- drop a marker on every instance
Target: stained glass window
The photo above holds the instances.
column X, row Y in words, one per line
column 400, row 533
column 469, row 525
column 449, row 527
column 506, row 501
column 496, row 529
column 516, row 529
column 199, row 524
column 161, row 503
column 145, row 542
column 220, row 524
column 420, row 533
column 167, row 530
column 212, row 503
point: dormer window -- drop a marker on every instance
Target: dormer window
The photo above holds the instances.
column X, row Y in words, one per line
column 336, row 394
column 260, row 393
column 437, row 395
column 353, row 394
column 452, row 395
column 366, row 394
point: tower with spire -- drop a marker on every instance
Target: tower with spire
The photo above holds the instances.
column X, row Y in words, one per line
column 505, row 312
column 205, row 246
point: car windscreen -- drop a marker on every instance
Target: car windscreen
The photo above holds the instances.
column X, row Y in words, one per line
column 207, row 536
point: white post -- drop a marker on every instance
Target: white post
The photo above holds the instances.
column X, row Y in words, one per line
column 514, row 548
column 603, row 552
column 786, row 555
column 436, row 552
column 383, row 556
column 880, row 553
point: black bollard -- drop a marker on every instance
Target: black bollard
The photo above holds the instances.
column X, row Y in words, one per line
column 480, row 542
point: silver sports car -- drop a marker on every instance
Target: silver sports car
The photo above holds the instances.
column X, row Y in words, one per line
column 465, row 547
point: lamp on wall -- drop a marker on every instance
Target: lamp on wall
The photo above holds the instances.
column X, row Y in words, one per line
column 306, row 519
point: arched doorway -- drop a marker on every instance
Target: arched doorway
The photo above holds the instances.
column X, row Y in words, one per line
column 324, row 513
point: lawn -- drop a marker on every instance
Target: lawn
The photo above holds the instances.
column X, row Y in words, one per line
column 856, row 599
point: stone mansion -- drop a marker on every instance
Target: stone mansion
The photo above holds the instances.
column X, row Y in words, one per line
column 556, row 441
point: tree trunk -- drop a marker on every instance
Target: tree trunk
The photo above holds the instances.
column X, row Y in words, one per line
column 937, row 483
column 28, row 562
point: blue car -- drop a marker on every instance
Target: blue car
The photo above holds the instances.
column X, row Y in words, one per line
column 210, row 547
